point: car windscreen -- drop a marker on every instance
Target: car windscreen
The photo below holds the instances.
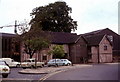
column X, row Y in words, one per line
column 2, row 63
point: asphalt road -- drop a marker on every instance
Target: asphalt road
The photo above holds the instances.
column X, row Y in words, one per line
column 96, row 72
column 14, row 75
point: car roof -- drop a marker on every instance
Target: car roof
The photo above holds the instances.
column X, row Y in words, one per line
column 1, row 60
column 31, row 59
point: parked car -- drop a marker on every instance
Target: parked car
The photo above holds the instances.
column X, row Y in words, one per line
column 59, row 62
column 31, row 63
column 11, row 62
column 4, row 69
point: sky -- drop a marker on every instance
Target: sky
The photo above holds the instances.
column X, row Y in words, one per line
column 90, row 15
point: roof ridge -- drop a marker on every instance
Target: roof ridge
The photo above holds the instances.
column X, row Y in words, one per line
column 94, row 32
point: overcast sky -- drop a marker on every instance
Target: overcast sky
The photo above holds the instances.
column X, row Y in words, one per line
column 90, row 15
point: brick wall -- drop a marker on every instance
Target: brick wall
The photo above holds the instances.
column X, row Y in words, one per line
column 94, row 51
column 105, row 50
column 78, row 51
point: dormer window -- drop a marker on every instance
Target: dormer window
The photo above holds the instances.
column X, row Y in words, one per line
column 110, row 37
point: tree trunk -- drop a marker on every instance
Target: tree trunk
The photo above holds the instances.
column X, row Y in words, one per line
column 35, row 63
column 31, row 56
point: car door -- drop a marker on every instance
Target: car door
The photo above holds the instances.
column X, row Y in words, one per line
column 56, row 62
column 61, row 62
column 32, row 62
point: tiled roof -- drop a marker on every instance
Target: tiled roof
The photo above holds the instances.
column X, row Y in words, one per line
column 106, row 31
column 6, row 35
column 94, row 39
column 59, row 37
column 63, row 38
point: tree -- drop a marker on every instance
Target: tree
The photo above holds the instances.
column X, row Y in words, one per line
column 57, row 51
column 35, row 44
column 54, row 17
column 33, row 41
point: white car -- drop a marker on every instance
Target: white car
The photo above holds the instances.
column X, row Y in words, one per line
column 11, row 62
column 58, row 62
column 31, row 63
column 4, row 69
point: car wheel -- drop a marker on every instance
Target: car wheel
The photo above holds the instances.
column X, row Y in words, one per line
column 63, row 64
column 68, row 64
column 42, row 66
column 4, row 75
column 17, row 65
column 56, row 65
column 49, row 65
column 24, row 67
column 33, row 66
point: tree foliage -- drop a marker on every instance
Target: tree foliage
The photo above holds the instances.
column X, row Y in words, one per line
column 53, row 17
column 33, row 41
column 35, row 44
column 57, row 51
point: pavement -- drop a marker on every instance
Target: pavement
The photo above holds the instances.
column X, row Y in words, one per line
column 47, row 70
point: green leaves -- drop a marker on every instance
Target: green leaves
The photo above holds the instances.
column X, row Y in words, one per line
column 37, row 43
column 53, row 17
column 34, row 40
column 57, row 51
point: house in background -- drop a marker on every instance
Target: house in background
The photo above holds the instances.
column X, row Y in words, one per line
column 113, row 37
column 78, row 50
column 75, row 47
column 99, row 48
column 96, row 47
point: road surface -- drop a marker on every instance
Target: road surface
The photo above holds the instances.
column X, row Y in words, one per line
column 14, row 75
column 96, row 72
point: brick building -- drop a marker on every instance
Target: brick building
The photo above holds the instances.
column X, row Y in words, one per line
column 113, row 37
column 98, row 46
column 9, row 49
column 75, row 47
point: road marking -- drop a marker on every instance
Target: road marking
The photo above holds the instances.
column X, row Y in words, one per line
column 51, row 74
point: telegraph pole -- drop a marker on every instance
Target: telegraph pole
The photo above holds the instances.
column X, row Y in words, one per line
column 15, row 27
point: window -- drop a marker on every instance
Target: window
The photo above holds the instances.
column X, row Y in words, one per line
column 6, row 44
column 9, row 44
column 3, row 45
column 105, row 47
column 17, row 48
column 58, row 60
column 110, row 38
column 44, row 57
column 64, row 60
